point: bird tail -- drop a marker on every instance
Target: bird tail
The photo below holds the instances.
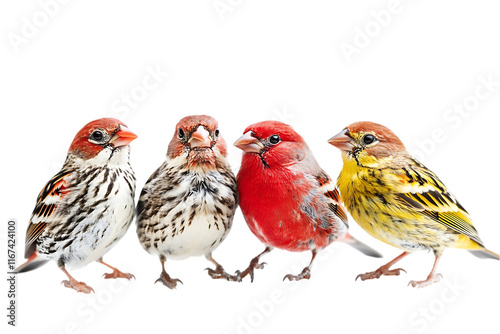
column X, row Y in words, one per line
column 485, row 254
column 33, row 262
column 476, row 248
column 363, row 248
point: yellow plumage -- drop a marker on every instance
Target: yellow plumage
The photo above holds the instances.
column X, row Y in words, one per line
column 392, row 206
column 398, row 200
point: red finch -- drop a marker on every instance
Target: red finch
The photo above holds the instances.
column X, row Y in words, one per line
column 287, row 200
column 398, row 200
column 187, row 206
column 86, row 208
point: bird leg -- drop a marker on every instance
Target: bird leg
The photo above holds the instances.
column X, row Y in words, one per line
column 306, row 272
column 432, row 278
column 254, row 264
column 116, row 273
column 74, row 284
column 384, row 270
column 219, row 271
column 169, row 282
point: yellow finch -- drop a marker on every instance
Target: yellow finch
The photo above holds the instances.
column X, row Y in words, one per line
column 399, row 201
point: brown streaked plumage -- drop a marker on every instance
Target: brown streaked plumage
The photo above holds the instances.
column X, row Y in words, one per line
column 187, row 206
column 86, row 208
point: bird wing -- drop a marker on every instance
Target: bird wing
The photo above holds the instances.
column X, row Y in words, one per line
column 424, row 192
column 332, row 193
column 46, row 207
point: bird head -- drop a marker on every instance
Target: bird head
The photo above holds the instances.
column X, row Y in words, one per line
column 199, row 138
column 105, row 134
column 275, row 143
column 370, row 144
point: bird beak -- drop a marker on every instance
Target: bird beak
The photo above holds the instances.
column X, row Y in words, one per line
column 249, row 144
column 200, row 138
column 123, row 137
column 342, row 141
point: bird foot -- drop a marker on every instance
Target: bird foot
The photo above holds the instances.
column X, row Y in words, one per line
column 305, row 274
column 433, row 278
column 382, row 271
column 254, row 264
column 78, row 286
column 118, row 274
column 220, row 273
column 169, row 282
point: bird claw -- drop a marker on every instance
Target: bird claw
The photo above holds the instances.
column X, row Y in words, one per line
column 254, row 264
column 260, row 265
column 78, row 286
column 118, row 274
column 380, row 272
column 237, row 275
column 169, row 282
column 305, row 274
column 433, row 278
column 220, row 273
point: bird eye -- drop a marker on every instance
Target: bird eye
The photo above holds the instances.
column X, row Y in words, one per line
column 97, row 136
column 217, row 133
column 274, row 139
column 369, row 139
column 180, row 134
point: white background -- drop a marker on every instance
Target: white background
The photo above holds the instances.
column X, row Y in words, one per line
column 243, row 63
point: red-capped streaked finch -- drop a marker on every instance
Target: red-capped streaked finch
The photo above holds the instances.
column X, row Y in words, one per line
column 187, row 206
column 86, row 208
column 398, row 200
column 287, row 200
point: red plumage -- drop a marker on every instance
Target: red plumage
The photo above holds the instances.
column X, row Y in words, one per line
column 271, row 206
column 287, row 200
